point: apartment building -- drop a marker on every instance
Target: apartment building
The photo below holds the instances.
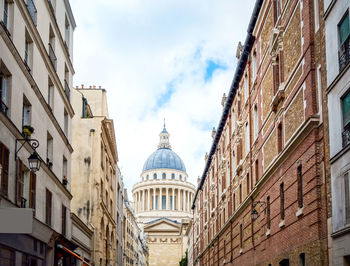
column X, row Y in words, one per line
column 262, row 197
column 120, row 217
column 95, row 174
column 36, row 73
column 337, row 27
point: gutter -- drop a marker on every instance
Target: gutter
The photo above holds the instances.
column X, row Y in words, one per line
column 233, row 89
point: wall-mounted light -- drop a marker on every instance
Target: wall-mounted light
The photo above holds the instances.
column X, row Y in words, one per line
column 34, row 159
column 255, row 213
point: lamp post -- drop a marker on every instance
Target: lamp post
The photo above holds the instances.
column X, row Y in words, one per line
column 255, row 213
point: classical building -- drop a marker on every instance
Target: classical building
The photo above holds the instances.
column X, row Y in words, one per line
column 135, row 246
column 36, row 46
column 163, row 203
column 261, row 199
column 119, row 217
column 95, row 175
column 338, row 93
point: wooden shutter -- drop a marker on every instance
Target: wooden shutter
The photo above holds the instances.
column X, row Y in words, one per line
column 48, row 207
column 64, row 219
column 4, row 161
column 32, row 191
column 19, row 182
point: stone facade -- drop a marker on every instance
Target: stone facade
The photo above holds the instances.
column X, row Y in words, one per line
column 262, row 197
column 36, row 75
column 338, row 84
column 95, row 174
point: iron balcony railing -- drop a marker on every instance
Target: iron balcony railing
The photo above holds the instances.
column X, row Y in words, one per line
column 32, row 10
column 3, row 107
column 53, row 57
column 346, row 136
column 67, row 89
column 344, row 54
column 23, row 202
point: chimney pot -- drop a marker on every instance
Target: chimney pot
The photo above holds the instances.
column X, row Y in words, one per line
column 82, row 86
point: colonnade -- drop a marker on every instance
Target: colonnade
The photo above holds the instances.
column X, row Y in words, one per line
column 163, row 198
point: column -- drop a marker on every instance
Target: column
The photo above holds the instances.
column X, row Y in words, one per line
column 143, row 200
column 154, row 199
column 173, row 199
column 183, row 200
column 178, row 199
column 148, row 199
column 166, row 199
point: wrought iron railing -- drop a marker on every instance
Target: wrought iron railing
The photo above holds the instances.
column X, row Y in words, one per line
column 344, row 54
column 67, row 89
column 3, row 107
column 53, row 57
column 346, row 136
column 23, row 202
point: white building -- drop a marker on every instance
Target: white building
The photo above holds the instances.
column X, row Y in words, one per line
column 36, row 75
column 163, row 200
column 338, row 93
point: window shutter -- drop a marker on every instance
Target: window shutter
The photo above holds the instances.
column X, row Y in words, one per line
column 48, row 207
column 64, row 219
column 32, row 190
column 4, row 161
column 347, row 198
column 19, row 182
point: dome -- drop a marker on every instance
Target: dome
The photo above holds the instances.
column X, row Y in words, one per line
column 164, row 158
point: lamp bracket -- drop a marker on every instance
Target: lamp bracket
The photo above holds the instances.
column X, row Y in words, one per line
column 34, row 143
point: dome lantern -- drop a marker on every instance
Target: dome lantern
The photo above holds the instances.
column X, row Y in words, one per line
column 164, row 139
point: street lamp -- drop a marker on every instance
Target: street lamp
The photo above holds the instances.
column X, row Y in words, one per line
column 255, row 213
column 34, row 159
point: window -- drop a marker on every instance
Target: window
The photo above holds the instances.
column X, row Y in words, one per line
column 254, row 65
column 66, row 33
column 248, row 184
column 282, row 211
column 300, row 186
column 347, row 198
column 32, row 191
column 279, row 138
column 154, row 176
column 241, row 236
column 268, row 213
column 65, row 123
column 172, row 176
column 180, row 177
column 344, row 29
column 156, row 202
column 22, row 184
column 284, row 262
column 50, row 94
column 87, row 113
column 246, row 87
column 64, row 220
column 346, row 119
column 66, row 81
column 163, row 202
column 240, row 193
column 234, row 201
column 302, row 260
column 7, row 256
column 317, row 16
column 49, row 150
column 163, row 176
column 171, row 203
column 256, row 170
column 48, row 208
column 276, row 9
column 256, row 121
column 64, row 167
column 4, row 168
column 5, row 79
column 246, row 138
column 5, row 16
column 52, row 54
column 276, row 83
column 26, row 112
column 28, row 51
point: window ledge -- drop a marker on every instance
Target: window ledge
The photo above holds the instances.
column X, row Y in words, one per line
column 268, row 232
column 282, row 224
column 277, row 98
column 299, row 212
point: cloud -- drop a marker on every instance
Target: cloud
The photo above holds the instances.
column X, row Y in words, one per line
column 157, row 59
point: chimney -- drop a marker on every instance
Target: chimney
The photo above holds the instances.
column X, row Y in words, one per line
column 82, row 86
column 223, row 100
column 213, row 133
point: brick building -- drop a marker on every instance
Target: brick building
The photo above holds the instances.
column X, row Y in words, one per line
column 261, row 199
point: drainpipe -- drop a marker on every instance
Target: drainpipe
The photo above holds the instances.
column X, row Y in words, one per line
column 217, row 199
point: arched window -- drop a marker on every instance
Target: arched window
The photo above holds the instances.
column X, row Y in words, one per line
column 154, row 176
column 164, row 176
column 172, row 176
column 180, row 177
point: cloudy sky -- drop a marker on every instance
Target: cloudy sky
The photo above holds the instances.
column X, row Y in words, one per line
column 159, row 59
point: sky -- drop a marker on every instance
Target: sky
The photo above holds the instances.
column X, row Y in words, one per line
column 159, row 59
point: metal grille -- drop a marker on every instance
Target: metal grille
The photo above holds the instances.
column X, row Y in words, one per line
column 344, row 54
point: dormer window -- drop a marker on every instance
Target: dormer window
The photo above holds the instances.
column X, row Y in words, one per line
column 154, row 176
column 164, row 176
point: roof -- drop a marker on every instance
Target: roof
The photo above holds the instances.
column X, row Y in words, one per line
column 162, row 218
column 164, row 158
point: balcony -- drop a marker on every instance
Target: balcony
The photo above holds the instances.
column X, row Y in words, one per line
column 53, row 57
column 32, row 10
column 344, row 54
column 67, row 89
column 346, row 136
column 3, row 108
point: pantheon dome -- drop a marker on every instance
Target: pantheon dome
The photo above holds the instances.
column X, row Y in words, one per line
column 163, row 191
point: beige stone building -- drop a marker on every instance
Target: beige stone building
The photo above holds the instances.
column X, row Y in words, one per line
column 163, row 204
column 94, row 171
column 36, row 73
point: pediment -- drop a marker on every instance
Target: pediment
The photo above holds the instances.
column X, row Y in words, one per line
column 162, row 225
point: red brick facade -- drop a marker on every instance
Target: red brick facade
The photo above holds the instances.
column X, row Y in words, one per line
column 269, row 157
